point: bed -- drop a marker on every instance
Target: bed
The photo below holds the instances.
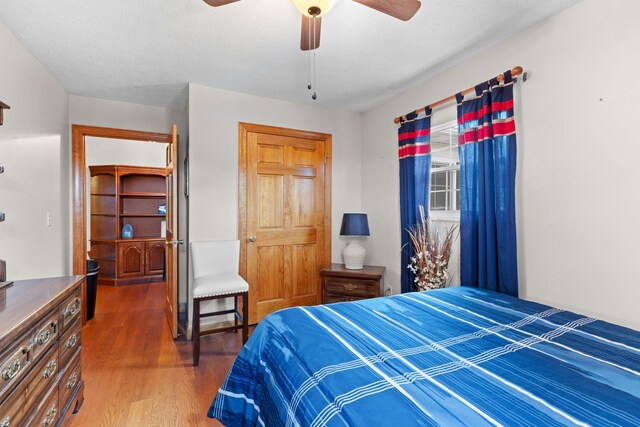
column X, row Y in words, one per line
column 455, row 356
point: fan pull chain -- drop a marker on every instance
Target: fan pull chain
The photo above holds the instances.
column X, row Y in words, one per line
column 309, row 51
column 313, row 95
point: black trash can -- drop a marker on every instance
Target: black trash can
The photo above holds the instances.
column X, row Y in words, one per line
column 92, row 286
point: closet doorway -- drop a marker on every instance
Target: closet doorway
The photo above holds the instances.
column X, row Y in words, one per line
column 284, row 215
column 158, row 161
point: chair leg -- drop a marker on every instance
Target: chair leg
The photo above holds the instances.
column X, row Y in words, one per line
column 245, row 316
column 195, row 326
column 235, row 317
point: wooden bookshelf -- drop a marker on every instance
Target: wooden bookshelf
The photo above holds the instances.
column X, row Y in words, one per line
column 127, row 195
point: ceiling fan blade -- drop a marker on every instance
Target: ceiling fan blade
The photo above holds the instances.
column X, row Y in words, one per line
column 309, row 40
column 401, row 9
column 216, row 3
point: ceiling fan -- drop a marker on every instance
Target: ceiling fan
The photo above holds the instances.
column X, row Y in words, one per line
column 313, row 10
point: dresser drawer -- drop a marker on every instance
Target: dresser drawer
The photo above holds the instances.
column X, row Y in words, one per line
column 48, row 411
column 13, row 409
column 70, row 379
column 70, row 310
column 353, row 287
column 70, row 343
column 14, row 364
column 45, row 334
column 42, row 378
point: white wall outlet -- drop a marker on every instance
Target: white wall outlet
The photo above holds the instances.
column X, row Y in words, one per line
column 48, row 219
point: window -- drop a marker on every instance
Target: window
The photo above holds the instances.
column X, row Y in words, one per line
column 445, row 169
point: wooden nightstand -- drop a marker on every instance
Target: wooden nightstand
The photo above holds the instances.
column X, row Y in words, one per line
column 340, row 284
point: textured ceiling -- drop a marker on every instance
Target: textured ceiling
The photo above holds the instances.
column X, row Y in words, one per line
column 146, row 51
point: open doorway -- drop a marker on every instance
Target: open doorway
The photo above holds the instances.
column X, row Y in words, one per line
column 126, row 201
column 144, row 159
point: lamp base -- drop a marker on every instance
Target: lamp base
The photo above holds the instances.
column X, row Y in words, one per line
column 353, row 255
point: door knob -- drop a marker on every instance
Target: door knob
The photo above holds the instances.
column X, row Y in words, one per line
column 252, row 239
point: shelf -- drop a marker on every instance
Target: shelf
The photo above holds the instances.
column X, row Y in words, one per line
column 97, row 214
column 142, row 215
column 104, row 194
column 134, row 239
column 145, row 195
column 104, row 259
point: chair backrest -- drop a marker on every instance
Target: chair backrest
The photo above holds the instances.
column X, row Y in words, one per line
column 214, row 257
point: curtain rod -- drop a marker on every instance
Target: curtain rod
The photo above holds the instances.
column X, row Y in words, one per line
column 515, row 71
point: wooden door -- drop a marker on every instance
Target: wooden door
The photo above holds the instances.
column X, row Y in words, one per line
column 171, row 241
column 287, row 205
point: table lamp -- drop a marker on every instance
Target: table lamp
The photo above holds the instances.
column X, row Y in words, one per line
column 354, row 224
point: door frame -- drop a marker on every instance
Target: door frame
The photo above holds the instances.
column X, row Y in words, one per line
column 78, row 179
column 243, row 130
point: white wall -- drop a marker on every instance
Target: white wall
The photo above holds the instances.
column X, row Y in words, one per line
column 107, row 151
column 123, row 115
column 33, row 149
column 213, row 120
column 577, row 179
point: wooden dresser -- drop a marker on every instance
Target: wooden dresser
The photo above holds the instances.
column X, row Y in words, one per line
column 40, row 344
column 341, row 284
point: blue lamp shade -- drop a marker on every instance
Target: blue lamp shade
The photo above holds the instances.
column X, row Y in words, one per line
column 354, row 224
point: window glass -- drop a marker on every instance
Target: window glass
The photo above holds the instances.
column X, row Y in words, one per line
column 445, row 168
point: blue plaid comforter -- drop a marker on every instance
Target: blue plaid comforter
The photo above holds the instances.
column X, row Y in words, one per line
column 456, row 356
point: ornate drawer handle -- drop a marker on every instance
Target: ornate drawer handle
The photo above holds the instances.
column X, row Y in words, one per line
column 72, row 308
column 14, row 367
column 72, row 341
column 44, row 336
column 50, row 416
column 6, row 422
column 72, row 380
column 50, row 369
column 350, row 286
column 12, row 370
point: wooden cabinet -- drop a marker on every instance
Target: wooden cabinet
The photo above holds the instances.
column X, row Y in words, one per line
column 340, row 284
column 130, row 259
column 40, row 352
column 130, row 195
column 154, row 257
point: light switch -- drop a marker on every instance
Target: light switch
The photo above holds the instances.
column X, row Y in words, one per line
column 1, row 216
column 48, row 219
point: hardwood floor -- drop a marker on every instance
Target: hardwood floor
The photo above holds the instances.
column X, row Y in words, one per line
column 136, row 375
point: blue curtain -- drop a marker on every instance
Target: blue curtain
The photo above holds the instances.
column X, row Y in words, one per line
column 487, row 148
column 414, row 152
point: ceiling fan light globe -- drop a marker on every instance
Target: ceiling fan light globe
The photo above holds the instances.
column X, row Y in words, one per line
column 305, row 5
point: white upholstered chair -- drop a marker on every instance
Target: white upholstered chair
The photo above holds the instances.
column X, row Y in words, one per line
column 215, row 275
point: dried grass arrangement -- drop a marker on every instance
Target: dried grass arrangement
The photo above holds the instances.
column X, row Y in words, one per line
column 432, row 250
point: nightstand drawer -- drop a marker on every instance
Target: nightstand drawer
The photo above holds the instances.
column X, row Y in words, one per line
column 352, row 287
column 330, row 299
column 340, row 284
